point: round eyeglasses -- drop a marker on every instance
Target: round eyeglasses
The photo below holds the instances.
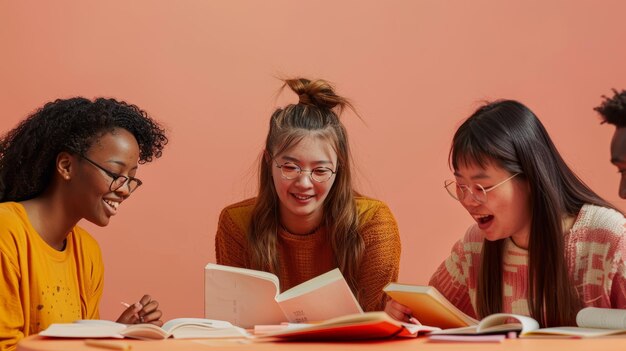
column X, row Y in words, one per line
column 290, row 170
column 118, row 179
column 479, row 194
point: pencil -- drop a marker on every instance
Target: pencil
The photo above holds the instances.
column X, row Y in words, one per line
column 127, row 305
column 107, row 344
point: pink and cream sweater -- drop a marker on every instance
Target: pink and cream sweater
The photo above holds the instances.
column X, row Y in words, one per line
column 595, row 250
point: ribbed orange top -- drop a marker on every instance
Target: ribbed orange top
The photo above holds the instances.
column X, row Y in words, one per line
column 302, row 257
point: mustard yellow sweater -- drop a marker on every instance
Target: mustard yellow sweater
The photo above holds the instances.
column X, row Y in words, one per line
column 302, row 257
column 40, row 285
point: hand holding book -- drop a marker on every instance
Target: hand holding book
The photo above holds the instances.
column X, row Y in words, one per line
column 432, row 308
column 247, row 297
column 426, row 304
column 400, row 312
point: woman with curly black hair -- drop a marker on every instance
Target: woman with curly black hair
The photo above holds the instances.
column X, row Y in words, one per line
column 613, row 111
column 71, row 159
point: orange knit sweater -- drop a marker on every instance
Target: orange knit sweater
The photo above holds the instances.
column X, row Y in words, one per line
column 302, row 257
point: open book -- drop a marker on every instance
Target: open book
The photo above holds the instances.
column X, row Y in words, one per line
column 361, row 326
column 180, row 328
column 591, row 321
column 429, row 306
column 247, row 297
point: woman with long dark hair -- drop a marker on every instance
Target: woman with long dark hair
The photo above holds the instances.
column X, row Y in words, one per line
column 544, row 244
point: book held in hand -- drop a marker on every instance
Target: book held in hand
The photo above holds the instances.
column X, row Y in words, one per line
column 179, row 328
column 247, row 297
column 429, row 306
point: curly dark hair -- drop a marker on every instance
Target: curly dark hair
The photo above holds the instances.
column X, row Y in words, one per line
column 28, row 152
column 613, row 110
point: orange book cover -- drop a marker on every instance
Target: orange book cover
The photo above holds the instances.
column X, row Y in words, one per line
column 429, row 306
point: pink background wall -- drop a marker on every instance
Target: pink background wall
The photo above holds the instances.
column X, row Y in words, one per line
column 207, row 70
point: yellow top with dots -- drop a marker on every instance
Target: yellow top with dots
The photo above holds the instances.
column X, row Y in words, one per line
column 40, row 285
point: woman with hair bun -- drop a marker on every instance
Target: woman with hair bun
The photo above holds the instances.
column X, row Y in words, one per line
column 307, row 219
column 72, row 159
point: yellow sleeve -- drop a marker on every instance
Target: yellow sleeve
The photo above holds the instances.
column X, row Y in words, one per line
column 381, row 259
column 12, row 315
column 13, row 298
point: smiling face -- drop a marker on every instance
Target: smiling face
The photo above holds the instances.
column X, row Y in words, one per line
column 117, row 152
column 301, row 198
column 506, row 213
column 618, row 157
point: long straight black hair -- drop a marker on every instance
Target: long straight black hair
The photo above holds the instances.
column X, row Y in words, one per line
column 511, row 136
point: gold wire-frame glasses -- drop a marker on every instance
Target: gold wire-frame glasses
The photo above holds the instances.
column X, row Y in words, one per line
column 290, row 170
column 479, row 194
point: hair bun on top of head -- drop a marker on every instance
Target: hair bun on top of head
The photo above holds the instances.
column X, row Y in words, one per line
column 317, row 93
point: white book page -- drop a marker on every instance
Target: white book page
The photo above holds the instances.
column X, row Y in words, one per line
column 99, row 322
column 602, row 318
column 145, row 331
column 311, row 284
column 416, row 328
column 195, row 331
column 312, row 302
column 240, row 296
column 176, row 323
column 245, row 271
column 498, row 321
column 471, row 330
column 196, row 328
column 571, row 332
column 84, row 330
